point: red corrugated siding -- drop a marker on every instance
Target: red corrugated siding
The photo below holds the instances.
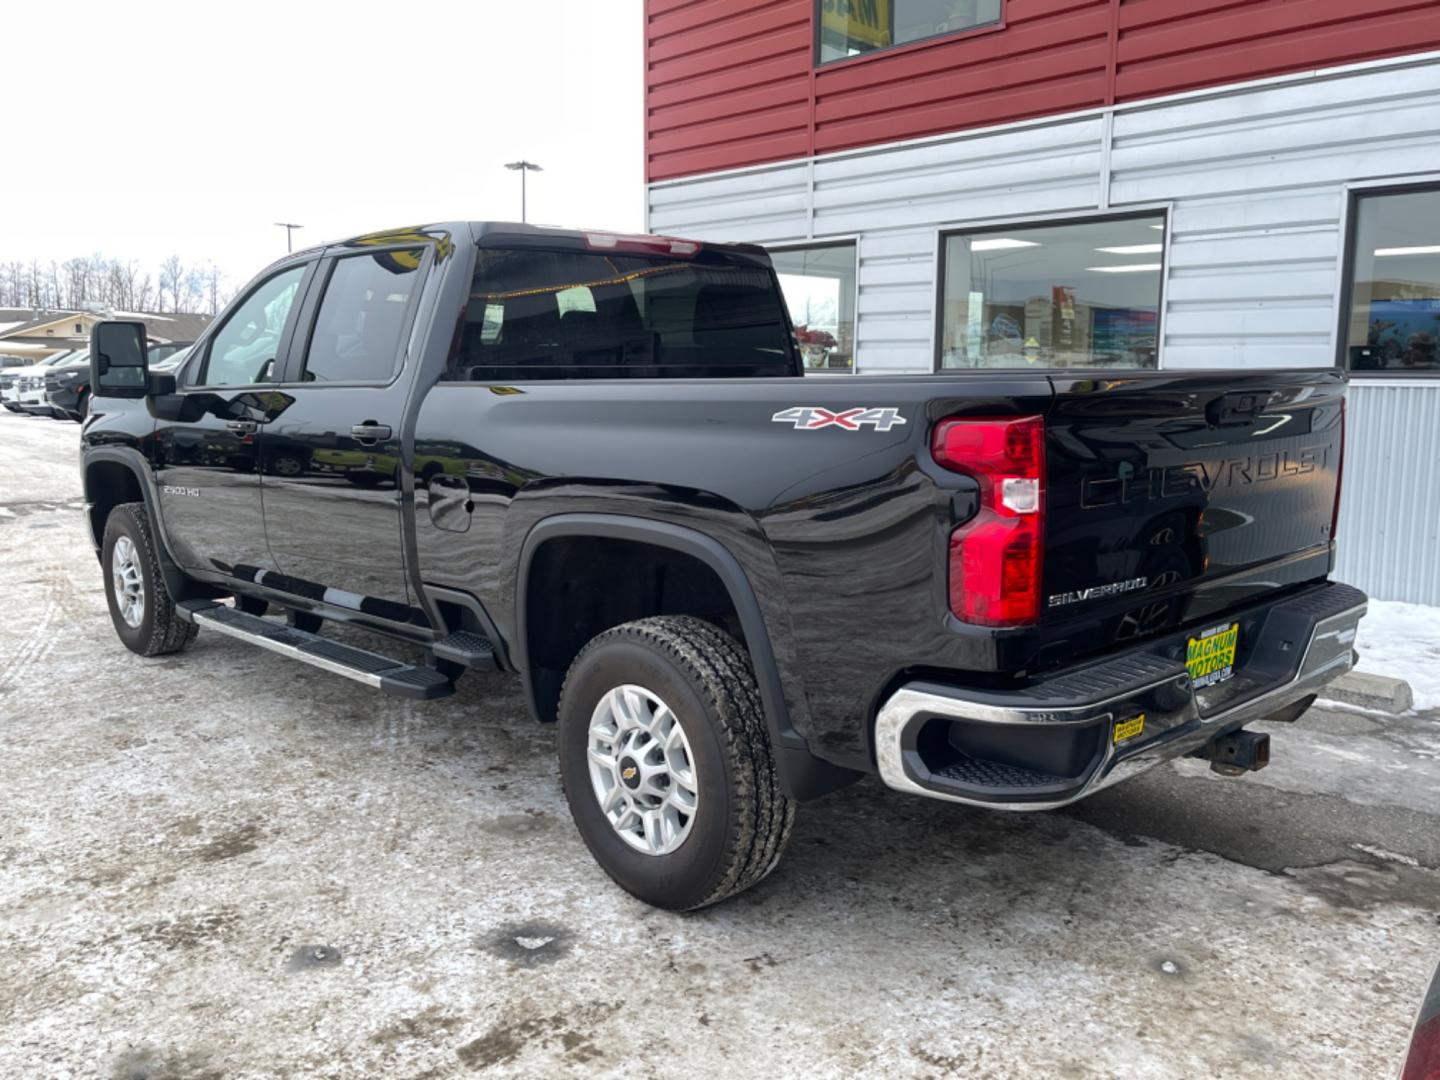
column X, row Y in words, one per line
column 1171, row 45
column 726, row 83
column 731, row 82
column 1050, row 57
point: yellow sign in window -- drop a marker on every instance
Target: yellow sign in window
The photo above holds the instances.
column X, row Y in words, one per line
column 866, row 22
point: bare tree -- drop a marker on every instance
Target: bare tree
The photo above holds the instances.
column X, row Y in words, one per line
column 98, row 274
column 144, row 292
column 77, row 281
column 14, row 281
column 213, row 278
column 194, row 290
column 172, row 279
column 121, row 285
column 126, row 274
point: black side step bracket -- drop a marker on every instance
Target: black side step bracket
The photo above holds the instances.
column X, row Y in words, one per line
column 382, row 672
column 467, row 648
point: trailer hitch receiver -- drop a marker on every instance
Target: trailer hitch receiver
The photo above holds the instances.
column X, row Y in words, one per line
column 1236, row 753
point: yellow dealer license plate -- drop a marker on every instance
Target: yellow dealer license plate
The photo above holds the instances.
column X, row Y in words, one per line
column 1210, row 657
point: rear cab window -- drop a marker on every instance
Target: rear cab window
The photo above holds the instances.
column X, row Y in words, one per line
column 566, row 313
column 362, row 317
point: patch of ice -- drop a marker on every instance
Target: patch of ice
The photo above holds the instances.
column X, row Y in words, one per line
column 1403, row 641
column 1331, row 705
column 1388, row 856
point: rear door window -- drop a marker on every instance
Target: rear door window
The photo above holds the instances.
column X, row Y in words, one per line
column 541, row 313
column 361, row 318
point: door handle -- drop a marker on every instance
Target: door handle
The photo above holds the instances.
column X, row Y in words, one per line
column 371, row 430
column 241, row 427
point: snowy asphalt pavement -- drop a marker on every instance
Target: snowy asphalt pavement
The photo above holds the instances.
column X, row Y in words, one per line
column 222, row 864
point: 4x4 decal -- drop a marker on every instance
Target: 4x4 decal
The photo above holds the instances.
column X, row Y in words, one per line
column 813, row 418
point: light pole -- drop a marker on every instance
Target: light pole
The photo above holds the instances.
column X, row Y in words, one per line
column 522, row 167
column 289, row 227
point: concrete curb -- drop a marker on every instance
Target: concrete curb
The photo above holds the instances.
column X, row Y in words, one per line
column 1379, row 693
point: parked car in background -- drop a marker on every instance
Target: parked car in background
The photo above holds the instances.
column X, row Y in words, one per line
column 160, row 353
column 67, row 387
column 11, row 375
column 26, row 386
column 172, row 363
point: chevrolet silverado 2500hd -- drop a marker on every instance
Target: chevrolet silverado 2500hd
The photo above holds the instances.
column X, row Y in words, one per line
column 592, row 460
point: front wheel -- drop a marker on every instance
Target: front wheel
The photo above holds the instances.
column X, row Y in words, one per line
column 140, row 606
column 667, row 765
column 82, row 405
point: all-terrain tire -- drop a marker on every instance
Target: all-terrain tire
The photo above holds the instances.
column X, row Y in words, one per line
column 743, row 817
column 160, row 629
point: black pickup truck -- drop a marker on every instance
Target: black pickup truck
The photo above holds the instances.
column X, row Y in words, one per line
column 592, row 460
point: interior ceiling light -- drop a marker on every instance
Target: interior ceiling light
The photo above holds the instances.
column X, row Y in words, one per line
column 1134, row 249
column 1001, row 243
column 1132, row 268
column 1387, row 253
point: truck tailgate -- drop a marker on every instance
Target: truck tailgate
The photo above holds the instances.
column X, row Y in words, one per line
column 1172, row 497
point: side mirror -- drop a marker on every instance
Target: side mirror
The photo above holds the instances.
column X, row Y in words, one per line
column 117, row 359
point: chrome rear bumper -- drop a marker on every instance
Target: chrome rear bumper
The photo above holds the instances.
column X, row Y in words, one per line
column 967, row 746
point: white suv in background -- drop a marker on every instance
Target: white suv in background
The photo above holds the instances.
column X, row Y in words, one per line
column 16, row 380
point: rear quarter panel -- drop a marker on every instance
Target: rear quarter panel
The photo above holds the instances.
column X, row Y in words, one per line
column 841, row 533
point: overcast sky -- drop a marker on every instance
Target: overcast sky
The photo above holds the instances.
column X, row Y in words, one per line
column 154, row 128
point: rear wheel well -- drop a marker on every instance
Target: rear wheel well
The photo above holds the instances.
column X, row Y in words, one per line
column 580, row 586
column 107, row 485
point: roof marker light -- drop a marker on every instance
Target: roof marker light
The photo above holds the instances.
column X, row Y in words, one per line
column 662, row 245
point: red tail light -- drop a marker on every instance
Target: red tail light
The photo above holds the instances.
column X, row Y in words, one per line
column 996, row 556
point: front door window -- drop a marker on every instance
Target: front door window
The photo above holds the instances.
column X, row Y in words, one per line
column 243, row 351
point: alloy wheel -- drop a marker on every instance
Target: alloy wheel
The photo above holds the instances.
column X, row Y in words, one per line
column 642, row 770
column 127, row 582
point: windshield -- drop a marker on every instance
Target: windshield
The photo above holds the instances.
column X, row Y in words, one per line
column 539, row 313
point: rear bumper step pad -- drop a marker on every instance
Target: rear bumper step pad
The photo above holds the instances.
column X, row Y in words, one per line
column 381, row 672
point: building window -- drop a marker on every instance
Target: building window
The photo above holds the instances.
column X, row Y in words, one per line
column 1077, row 294
column 1393, row 314
column 819, row 287
column 854, row 27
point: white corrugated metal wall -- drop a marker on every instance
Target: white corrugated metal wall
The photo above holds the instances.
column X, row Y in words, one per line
column 1390, row 509
column 1255, row 180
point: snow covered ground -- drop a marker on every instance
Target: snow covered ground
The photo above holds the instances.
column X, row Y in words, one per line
column 1403, row 641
